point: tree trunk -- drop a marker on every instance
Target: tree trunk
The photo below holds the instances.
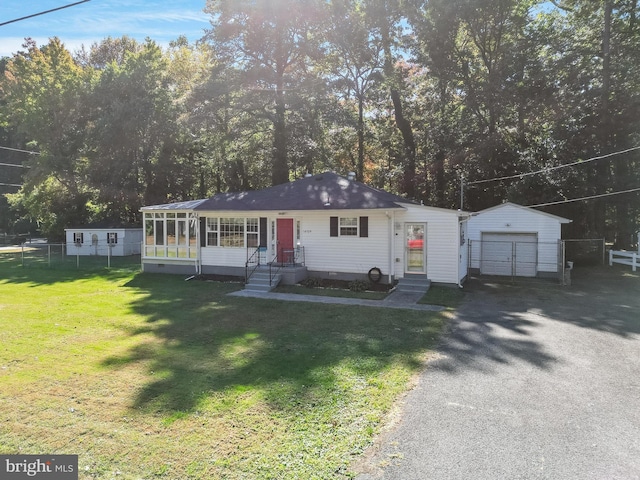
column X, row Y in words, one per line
column 360, row 164
column 280, row 171
column 403, row 124
column 606, row 141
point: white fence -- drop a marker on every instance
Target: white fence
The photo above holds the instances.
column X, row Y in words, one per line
column 625, row 258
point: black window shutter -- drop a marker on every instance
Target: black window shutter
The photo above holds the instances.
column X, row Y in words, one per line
column 364, row 226
column 263, row 231
column 333, row 226
column 203, row 232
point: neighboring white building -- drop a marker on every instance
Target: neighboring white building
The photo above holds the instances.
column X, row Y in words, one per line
column 97, row 239
column 329, row 225
column 513, row 240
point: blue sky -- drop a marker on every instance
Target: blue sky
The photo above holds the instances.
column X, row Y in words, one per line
column 161, row 20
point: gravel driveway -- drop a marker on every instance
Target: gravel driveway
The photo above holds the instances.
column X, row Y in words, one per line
column 534, row 381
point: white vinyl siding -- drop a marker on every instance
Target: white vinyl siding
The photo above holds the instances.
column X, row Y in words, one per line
column 346, row 253
column 356, row 254
column 442, row 242
column 128, row 241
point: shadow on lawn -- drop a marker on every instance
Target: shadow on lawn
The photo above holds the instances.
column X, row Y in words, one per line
column 291, row 352
column 497, row 320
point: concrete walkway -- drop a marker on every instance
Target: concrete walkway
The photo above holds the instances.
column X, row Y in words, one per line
column 403, row 300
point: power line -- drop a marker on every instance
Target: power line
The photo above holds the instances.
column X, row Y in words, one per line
column 549, row 169
column 585, row 198
column 19, row 150
column 13, row 165
column 42, row 13
column 10, row 185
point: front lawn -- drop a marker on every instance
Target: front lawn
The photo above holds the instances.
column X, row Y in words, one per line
column 449, row 297
column 149, row 376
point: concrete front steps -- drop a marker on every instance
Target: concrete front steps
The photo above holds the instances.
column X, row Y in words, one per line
column 259, row 281
column 413, row 284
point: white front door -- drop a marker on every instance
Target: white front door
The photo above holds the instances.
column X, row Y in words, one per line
column 415, row 248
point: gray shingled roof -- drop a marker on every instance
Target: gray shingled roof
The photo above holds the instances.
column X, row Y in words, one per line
column 325, row 191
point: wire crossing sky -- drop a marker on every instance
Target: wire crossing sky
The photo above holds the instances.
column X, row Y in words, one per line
column 91, row 21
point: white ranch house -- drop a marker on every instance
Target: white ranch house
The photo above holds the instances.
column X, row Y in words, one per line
column 512, row 240
column 323, row 225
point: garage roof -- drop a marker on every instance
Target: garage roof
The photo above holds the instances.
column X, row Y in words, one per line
column 527, row 209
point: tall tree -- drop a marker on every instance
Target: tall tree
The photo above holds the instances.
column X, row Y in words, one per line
column 107, row 51
column 271, row 41
column 355, row 62
column 44, row 93
column 595, row 55
column 135, row 137
column 387, row 20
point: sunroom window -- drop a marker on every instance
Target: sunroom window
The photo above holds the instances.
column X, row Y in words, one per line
column 170, row 234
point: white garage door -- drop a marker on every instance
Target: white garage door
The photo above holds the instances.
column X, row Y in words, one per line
column 509, row 254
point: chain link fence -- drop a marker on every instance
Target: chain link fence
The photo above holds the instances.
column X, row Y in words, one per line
column 518, row 260
column 527, row 260
column 63, row 256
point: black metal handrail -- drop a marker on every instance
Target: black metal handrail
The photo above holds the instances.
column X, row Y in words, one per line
column 291, row 256
column 274, row 268
column 286, row 257
column 252, row 263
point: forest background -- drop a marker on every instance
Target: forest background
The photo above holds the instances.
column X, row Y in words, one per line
column 424, row 98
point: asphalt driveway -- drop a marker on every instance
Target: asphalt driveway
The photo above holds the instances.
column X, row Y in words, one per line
column 533, row 381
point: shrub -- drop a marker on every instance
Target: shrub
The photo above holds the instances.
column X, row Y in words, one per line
column 311, row 282
column 358, row 285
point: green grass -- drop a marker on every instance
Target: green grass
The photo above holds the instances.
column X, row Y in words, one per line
column 149, row 376
column 449, row 297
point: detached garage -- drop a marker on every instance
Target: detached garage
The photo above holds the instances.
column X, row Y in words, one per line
column 512, row 240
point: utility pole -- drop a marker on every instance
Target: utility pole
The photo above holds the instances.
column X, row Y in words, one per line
column 461, row 192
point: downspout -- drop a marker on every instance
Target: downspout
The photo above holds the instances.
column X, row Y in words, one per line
column 198, row 246
column 390, row 237
column 392, row 249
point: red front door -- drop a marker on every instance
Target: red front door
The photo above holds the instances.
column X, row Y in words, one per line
column 285, row 240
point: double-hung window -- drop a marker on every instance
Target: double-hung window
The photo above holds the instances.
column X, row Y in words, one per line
column 348, row 226
column 212, row 232
column 252, row 232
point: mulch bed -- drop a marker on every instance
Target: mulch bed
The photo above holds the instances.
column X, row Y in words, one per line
column 324, row 283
